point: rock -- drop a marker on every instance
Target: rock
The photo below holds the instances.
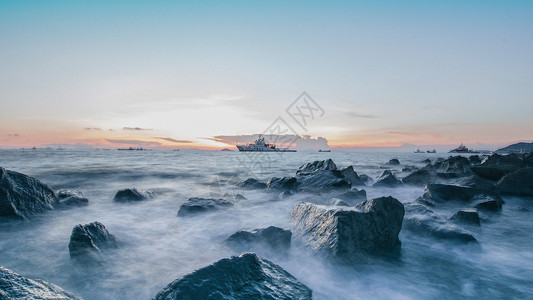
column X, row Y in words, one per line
column 477, row 183
column 22, row 196
column 519, row 183
column 337, row 202
column 200, row 205
column 240, row 277
column 343, row 233
column 487, row 202
column 317, row 166
column 426, row 161
column 366, row 179
column 421, row 220
column 496, row 166
column 15, row 286
column 273, row 237
column 321, row 180
column 88, row 241
column 353, row 196
column 131, row 195
column 281, row 184
column 474, row 160
column 419, row 177
column 393, row 162
column 445, row 192
column 251, row 183
column 351, row 176
column 466, row 216
column 387, row 179
column 454, row 164
column 68, row 198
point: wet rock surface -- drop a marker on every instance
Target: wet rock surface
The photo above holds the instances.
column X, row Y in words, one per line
column 466, row 216
column 22, row 196
column 132, row 195
column 282, row 184
column 240, row 277
column 251, row 183
column 197, row 205
column 387, row 178
column 518, row 183
column 88, row 241
column 16, row 286
column 70, row 198
column 272, row 237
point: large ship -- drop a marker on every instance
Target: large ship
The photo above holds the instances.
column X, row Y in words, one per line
column 261, row 146
column 462, row 149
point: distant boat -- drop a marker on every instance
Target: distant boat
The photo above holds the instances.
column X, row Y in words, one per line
column 132, row 149
column 462, row 149
column 419, row 151
column 261, row 146
column 324, row 150
column 432, row 151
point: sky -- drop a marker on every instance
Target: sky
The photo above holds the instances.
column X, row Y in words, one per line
column 177, row 74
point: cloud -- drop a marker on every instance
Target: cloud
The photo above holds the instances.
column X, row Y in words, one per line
column 173, row 140
column 135, row 142
column 13, row 134
column 135, row 128
column 354, row 114
column 92, row 128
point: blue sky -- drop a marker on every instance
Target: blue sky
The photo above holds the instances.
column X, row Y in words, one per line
column 385, row 72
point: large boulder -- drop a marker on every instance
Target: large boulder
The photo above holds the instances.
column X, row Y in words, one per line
column 251, row 183
column 272, row 237
column 419, row 177
column 282, row 184
column 322, row 180
column 88, row 241
column 496, row 166
column 69, row 198
column 477, row 183
column 132, row 195
column 197, row 205
column 351, row 176
column 454, row 164
column 352, row 196
column 240, row 277
column 387, row 179
column 468, row 216
column 393, row 162
column 317, row 166
column 421, row 220
column 349, row 233
column 16, row 286
column 22, row 196
column 519, row 183
column 482, row 199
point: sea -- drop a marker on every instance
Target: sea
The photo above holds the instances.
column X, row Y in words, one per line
column 159, row 247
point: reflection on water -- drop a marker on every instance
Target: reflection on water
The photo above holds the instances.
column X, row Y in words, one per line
column 159, row 247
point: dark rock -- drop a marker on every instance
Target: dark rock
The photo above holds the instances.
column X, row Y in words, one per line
column 353, row 196
column 22, row 196
column 407, row 169
column 366, row 179
column 273, row 237
column 317, row 166
column 281, row 184
column 322, row 180
column 68, row 198
column 474, row 160
column 426, row 161
column 200, row 205
column 240, row 277
column 420, row 219
column 496, row 166
column 466, row 216
column 478, row 183
column 445, row 192
column 393, row 162
column 251, row 183
column 492, row 172
column 454, row 164
column 419, row 177
column 15, row 286
column 131, row 195
column 387, row 179
column 372, row 227
column 519, row 183
column 351, row 176
column 487, row 202
column 87, row 242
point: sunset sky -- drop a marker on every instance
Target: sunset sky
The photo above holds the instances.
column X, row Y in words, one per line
column 179, row 73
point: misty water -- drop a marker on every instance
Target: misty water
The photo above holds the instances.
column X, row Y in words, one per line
column 159, row 247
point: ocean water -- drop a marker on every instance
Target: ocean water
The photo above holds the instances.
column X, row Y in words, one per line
column 159, row 247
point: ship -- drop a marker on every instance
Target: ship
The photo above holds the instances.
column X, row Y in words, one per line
column 324, row 150
column 419, row 151
column 261, row 146
column 462, row 149
column 431, row 151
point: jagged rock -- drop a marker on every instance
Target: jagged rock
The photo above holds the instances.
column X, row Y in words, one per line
column 251, row 183
column 351, row 176
column 445, row 192
column 487, row 202
column 22, row 196
column 273, row 237
column 200, row 205
column 68, row 198
column 281, row 184
column 337, row 202
column 419, row 177
column 393, row 162
column 131, row 195
column 317, row 166
column 240, row 277
column 88, row 241
column 420, row 219
column 321, row 180
column 387, row 179
column 496, row 166
column 454, row 164
column 519, row 183
column 474, row 160
column 466, row 216
column 477, row 182
column 15, row 286
column 344, row 233
column 366, row 179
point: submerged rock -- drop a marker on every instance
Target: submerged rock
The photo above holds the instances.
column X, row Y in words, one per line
column 240, row 277
column 393, row 162
column 467, row 216
column 131, row 195
column 69, row 198
column 321, row 180
column 15, row 286
column 419, row 177
column 282, row 184
column 372, row 227
column 352, row 196
column 22, row 196
column 200, row 205
column 251, row 183
column 273, row 237
column 487, row 202
column 317, row 166
column 87, row 242
column 519, row 183
column 387, row 179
